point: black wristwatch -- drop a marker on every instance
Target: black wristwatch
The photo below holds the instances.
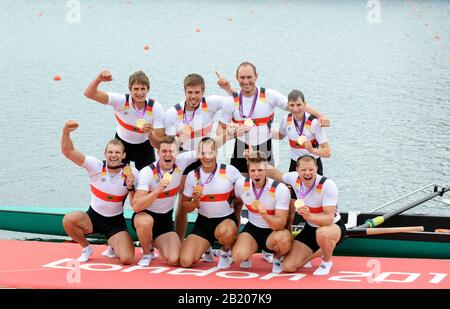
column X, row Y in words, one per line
column 133, row 189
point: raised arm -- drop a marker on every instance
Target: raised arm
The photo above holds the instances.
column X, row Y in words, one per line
column 224, row 83
column 67, row 147
column 93, row 93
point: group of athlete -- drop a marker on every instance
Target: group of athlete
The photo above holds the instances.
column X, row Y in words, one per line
column 187, row 166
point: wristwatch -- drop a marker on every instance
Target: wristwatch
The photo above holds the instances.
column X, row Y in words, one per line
column 133, row 189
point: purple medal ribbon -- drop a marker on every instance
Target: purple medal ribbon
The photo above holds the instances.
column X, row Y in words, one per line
column 185, row 120
column 252, row 108
column 158, row 168
column 258, row 194
column 210, row 177
column 301, row 192
column 300, row 129
column 138, row 112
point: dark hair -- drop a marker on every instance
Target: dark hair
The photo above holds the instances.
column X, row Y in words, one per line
column 244, row 64
column 194, row 80
column 294, row 95
column 140, row 78
column 256, row 157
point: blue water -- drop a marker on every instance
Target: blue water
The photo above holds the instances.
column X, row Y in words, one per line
column 384, row 85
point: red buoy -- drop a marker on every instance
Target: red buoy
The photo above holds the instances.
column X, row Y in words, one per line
column 146, row 47
column 57, row 77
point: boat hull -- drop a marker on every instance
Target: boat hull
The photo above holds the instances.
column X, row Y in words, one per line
column 45, row 220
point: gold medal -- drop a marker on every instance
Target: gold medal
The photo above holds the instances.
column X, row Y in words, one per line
column 255, row 205
column 299, row 203
column 301, row 139
column 127, row 171
column 198, row 189
column 168, row 177
column 140, row 123
column 188, row 128
column 248, row 122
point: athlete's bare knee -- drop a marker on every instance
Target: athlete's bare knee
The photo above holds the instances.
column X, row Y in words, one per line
column 238, row 255
column 127, row 258
column 289, row 267
column 186, row 261
column 173, row 260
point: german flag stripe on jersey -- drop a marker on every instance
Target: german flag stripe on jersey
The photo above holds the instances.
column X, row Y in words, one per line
column 204, row 105
column 246, row 184
column 128, row 126
column 223, row 170
column 149, row 108
column 309, row 122
column 273, row 188
column 220, row 197
column 289, row 120
column 258, row 121
column 236, row 99
column 106, row 196
column 315, row 210
column 126, row 107
column 320, row 184
column 262, row 94
column 269, row 211
column 179, row 111
column 168, row 193
column 295, row 145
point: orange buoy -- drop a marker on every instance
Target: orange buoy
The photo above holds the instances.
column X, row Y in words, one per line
column 57, row 77
column 146, row 47
column 197, row 30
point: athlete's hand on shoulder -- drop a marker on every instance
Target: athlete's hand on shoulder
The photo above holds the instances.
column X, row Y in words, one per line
column 324, row 122
column 71, row 125
column 104, row 76
column 163, row 183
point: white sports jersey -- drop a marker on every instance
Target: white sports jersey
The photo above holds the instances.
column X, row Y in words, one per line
column 275, row 196
column 107, row 191
column 200, row 121
column 127, row 115
column 311, row 130
column 324, row 193
column 149, row 179
column 263, row 112
column 217, row 193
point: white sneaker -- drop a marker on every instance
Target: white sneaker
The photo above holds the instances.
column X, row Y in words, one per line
column 307, row 265
column 276, row 265
column 208, row 256
column 246, row 264
column 224, row 260
column 109, row 252
column 153, row 253
column 85, row 254
column 145, row 261
column 267, row 256
column 323, row 269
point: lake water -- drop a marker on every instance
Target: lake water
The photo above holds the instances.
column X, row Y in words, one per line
column 385, row 85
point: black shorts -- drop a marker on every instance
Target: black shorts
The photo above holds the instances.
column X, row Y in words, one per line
column 192, row 167
column 308, row 235
column 205, row 227
column 107, row 226
column 259, row 234
column 293, row 166
column 162, row 223
column 141, row 154
column 238, row 160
